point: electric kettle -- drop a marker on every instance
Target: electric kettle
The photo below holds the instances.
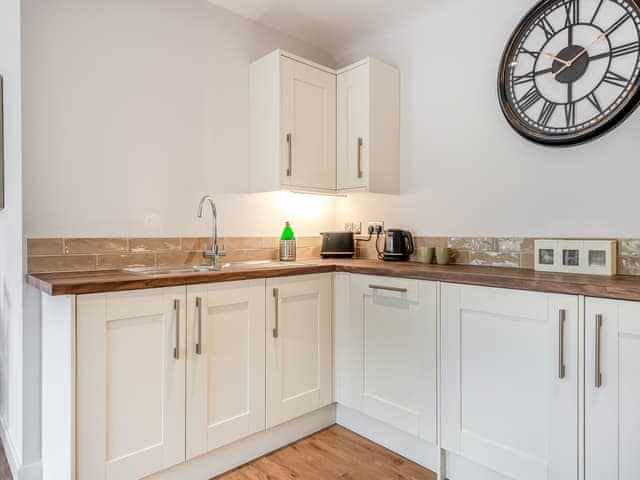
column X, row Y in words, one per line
column 398, row 246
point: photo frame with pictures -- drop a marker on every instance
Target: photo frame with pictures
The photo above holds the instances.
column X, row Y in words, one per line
column 592, row 257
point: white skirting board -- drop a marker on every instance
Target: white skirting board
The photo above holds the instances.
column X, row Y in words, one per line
column 32, row 471
column 243, row 451
column 415, row 449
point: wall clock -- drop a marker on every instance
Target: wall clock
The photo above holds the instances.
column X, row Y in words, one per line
column 571, row 70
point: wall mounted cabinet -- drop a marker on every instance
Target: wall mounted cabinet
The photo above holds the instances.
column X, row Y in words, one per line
column 510, row 376
column 368, row 135
column 315, row 129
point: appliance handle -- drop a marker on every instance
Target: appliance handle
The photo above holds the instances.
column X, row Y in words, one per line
column 409, row 238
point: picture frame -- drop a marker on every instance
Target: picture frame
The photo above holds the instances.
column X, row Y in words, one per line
column 592, row 257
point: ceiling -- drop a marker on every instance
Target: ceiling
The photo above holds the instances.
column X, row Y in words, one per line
column 332, row 25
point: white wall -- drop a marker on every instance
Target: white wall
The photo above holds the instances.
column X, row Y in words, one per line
column 11, row 245
column 133, row 109
column 464, row 170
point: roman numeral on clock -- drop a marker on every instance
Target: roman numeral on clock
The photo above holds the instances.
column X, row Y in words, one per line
column 529, row 99
column 547, row 28
column 523, row 79
column 615, row 79
column 593, row 100
column 546, row 113
column 531, row 53
column 619, row 51
column 621, row 21
column 572, row 12
column 570, row 114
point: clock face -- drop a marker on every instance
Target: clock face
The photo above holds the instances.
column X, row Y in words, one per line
column 571, row 71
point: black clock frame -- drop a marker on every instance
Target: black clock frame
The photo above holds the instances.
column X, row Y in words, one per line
column 558, row 140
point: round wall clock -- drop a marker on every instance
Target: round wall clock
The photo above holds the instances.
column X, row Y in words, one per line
column 571, row 70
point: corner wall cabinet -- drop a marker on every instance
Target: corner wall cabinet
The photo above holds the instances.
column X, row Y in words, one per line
column 612, row 382
column 315, row 129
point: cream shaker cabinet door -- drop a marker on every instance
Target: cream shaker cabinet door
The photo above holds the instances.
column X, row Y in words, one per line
column 130, row 383
column 308, row 123
column 353, row 128
column 299, row 346
column 225, row 364
column 392, row 343
column 510, row 380
column 612, row 410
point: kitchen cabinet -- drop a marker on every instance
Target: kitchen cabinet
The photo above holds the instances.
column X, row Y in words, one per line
column 225, row 364
column 315, row 129
column 299, row 346
column 510, row 377
column 130, row 383
column 612, row 398
column 391, row 348
column 293, row 125
column 368, row 128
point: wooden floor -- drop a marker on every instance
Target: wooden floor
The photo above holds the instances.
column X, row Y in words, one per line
column 334, row 453
column 5, row 473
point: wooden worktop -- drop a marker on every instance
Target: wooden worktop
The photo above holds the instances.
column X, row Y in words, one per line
column 620, row 287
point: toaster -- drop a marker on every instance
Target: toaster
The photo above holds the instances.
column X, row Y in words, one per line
column 338, row 245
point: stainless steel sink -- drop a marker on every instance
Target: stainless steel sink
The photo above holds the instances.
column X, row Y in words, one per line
column 183, row 269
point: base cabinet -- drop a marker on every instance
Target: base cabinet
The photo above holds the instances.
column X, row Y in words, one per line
column 299, row 346
column 510, row 376
column 130, row 383
column 225, row 364
column 389, row 343
column 612, row 380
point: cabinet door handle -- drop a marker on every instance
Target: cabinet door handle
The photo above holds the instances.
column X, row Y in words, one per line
column 598, row 374
column 388, row 289
column 290, row 149
column 360, row 141
column 176, row 312
column 276, row 294
column 199, row 325
column 562, row 317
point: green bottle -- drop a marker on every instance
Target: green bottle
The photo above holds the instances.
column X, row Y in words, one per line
column 287, row 233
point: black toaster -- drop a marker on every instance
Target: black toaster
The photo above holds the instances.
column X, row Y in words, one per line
column 338, row 245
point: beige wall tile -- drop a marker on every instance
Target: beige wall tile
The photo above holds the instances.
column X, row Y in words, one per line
column 527, row 260
column 629, row 247
column 44, row 246
column 66, row 263
column 81, row 246
column 510, row 244
column 309, row 242
column 241, row 243
column 629, row 265
column 473, row 243
column 166, row 259
column 260, row 254
column 495, row 259
column 431, row 242
column 308, row 252
column 190, row 244
column 154, row 244
column 126, row 260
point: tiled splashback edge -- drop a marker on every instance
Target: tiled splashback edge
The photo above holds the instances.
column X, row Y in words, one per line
column 88, row 254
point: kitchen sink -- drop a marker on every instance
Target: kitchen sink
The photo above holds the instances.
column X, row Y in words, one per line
column 184, row 269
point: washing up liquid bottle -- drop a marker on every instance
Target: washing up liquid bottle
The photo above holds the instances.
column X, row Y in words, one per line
column 287, row 244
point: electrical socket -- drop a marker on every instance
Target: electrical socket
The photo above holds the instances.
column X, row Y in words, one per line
column 378, row 227
column 355, row 227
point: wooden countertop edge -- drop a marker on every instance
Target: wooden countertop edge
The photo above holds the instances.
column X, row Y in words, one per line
column 620, row 288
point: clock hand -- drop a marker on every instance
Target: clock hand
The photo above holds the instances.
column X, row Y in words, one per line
column 600, row 37
column 557, row 59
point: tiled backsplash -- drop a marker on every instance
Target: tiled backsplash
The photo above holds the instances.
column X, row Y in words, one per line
column 86, row 254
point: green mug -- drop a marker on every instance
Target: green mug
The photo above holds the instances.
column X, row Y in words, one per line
column 445, row 256
column 426, row 255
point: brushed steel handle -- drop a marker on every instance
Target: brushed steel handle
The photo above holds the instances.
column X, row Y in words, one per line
column 388, row 289
column 360, row 142
column 176, row 311
column 199, row 326
column 289, row 146
column 276, row 294
column 598, row 374
column 562, row 317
